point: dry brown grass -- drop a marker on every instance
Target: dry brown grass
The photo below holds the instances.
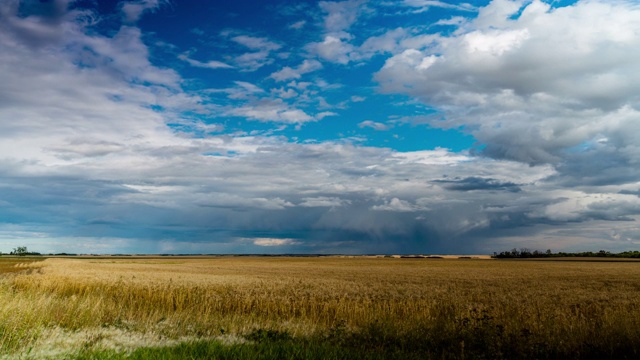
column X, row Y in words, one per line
column 564, row 305
column 12, row 264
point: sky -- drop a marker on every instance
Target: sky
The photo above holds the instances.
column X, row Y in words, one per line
column 350, row 127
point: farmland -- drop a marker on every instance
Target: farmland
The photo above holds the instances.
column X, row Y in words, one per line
column 329, row 307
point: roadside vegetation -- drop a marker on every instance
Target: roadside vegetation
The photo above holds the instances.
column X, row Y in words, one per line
column 261, row 308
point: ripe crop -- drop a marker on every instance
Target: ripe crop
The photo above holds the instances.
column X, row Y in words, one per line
column 434, row 307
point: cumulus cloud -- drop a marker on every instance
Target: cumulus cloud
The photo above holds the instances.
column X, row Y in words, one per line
column 340, row 15
column 333, row 48
column 529, row 81
column 288, row 73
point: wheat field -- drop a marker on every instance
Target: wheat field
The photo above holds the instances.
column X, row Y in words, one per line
column 442, row 308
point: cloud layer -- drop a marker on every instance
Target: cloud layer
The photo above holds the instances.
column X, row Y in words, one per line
column 106, row 147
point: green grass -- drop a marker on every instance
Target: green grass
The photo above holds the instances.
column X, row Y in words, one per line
column 213, row 350
column 270, row 345
column 375, row 343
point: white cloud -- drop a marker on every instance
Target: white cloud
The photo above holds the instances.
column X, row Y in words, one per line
column 432, row 157
column 249, row 87
column 324, row 114
column 323, row 201
column 229, row 200
column 395, row 204
column 127, row 53
column 456, row 21
column 577, row 205
column 288, row 73
column 70, row 99
column 424, row 5
column 494, row 44
column 271, row 110
column 271, row 241
column 374, row 125
column 389, row 42
column 285, row 94
column 298, row 25
column 256, row 43
column 340, row 15
column 261, row 54
column 133, row 10
column 253, row 61
column 333, row 49
column 300, row 85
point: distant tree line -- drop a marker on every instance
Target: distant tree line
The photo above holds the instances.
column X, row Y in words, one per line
column 525, row 253
column 22, row 251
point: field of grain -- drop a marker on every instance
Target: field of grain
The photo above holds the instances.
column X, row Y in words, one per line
column 421, row 308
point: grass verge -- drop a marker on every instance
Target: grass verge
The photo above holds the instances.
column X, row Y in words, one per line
column 372, row 343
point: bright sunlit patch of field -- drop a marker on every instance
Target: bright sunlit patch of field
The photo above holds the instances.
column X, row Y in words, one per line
column 433, row 307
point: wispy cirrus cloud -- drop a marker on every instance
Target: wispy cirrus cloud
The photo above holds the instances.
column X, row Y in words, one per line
column 424, row 5
column 374, row 125
column 211, row 64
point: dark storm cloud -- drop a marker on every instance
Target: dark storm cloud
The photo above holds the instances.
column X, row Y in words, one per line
column 630, row 192
column 473, row 183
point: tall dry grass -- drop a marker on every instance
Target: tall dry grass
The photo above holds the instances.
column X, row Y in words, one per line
column 568, row 307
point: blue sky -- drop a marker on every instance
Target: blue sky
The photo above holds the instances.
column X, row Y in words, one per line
column 352, row 126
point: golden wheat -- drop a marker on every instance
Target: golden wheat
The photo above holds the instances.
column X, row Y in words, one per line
column 561, row 303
